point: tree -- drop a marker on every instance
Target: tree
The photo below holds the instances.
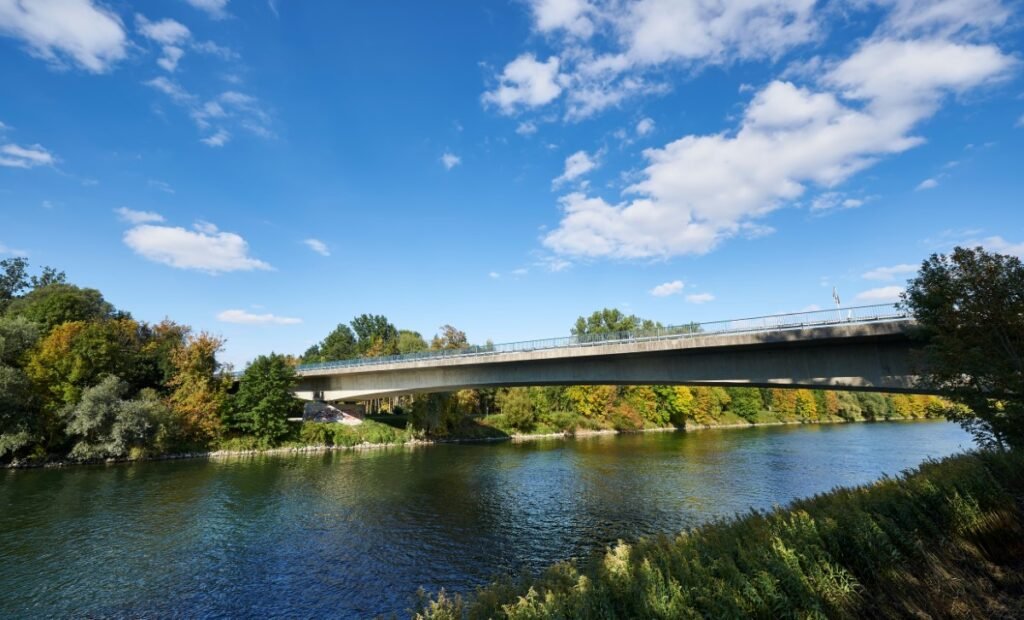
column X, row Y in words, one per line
column 107, row 425
column 591, row 401
column 377, row 336
column 610, row 321
column 54, row 304
column 410, row 342
column 199, row 392
column 969, row 308
column 13, row 279
column 745, row 402
column 264, row 401
column 340, row 344
column 76, row 355
column 518, row 407
column 450, row 338
column 18, row 414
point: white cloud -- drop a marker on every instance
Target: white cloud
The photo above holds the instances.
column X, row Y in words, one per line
column 5, row 249
column 231, row 106
column 700, row 298
column 926, row 184
column 450, row 160
column 138, row 217
column 645, row 126
column 526, row 128
column 217, row 9
column 163, row 186
column 612, row 50
column 164, row 32
column 576, row 165
column 172, row 89
column 831, row 201
column 247, row 318
column 568, row 15
column 669, row 288
column 218, row 139
column 890, row 273
column 881, row 295
column 701, row 189
column 943, row 18
column 205, row 249
column 14, row 156
column 1001, row 246
column 318, row 246
column 494, row 275
column 1020, row 121
column 525, row 83
column 60, row 30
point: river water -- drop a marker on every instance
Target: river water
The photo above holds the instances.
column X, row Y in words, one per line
column 354, row 534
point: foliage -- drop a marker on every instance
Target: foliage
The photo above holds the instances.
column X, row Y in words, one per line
column 436, row 415
column 449, row 338
column 264, row 401
column 610, row 321
column 519, row 407
column 104, row 424
column 941, row 541
column 340, row 344
column 54, row 304
column 745, row 402
column 591, row 400
column 342, row 435
column 377, row 336
column 410, row 342
column 198, row 392
column 970, row 309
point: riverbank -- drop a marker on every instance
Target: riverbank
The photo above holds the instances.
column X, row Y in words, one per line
column 943, row 540
column 375, row 435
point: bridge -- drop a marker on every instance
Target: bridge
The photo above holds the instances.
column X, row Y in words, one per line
column 858, row 348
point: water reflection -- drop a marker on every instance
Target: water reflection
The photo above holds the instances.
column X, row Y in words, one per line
column 355, row 533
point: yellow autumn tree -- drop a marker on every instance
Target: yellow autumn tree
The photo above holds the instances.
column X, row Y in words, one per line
column 198, row 390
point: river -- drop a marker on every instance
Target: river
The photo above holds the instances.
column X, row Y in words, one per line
column 355, row 533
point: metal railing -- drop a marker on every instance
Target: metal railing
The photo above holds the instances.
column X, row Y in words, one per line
column 771, row 323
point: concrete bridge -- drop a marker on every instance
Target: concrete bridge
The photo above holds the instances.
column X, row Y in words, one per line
column 862, row 348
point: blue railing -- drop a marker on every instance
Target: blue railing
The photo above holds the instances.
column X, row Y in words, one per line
column 775, row 322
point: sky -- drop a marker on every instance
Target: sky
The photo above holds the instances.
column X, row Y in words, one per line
column 267, row 170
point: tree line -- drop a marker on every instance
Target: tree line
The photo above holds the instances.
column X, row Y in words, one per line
column 80, row 378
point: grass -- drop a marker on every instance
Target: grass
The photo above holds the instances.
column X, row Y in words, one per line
column 945, row 540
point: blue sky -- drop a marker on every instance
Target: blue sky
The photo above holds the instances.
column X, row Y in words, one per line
column 266, row 170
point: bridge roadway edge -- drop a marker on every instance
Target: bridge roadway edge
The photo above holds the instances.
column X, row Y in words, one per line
column 860, row 357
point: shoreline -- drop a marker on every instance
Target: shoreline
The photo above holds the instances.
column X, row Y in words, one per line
column 415, row 443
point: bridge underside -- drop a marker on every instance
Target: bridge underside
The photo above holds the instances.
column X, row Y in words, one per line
column 873, row 359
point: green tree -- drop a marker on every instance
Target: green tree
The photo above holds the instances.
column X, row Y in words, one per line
column 609, row 321
column 54, row 304
column 13, row 279
column 76, row 355
column 745, row 402
column 518, row 407
column 340, row 344
column 377, row 336
column 264, row 401
column 450, row 338
column 969, row 308
column 410, row 342
column 104, row 424
column 18, row 413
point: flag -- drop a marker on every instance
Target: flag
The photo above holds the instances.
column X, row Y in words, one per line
column 835, row 295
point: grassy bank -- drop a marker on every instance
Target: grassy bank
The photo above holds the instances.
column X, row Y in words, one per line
column 945, row 540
